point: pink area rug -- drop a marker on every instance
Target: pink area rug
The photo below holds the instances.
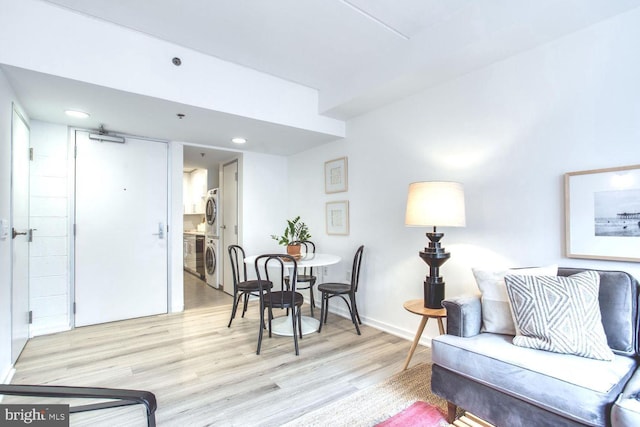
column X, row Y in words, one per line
column 420, row 414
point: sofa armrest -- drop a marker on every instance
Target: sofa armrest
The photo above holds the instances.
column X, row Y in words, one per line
column 626, row 410
column 464, row 315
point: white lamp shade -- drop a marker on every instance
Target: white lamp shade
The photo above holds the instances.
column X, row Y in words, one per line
column 435, row 203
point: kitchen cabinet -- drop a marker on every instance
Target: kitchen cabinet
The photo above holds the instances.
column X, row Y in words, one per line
column 193, row 253
column 194, row 191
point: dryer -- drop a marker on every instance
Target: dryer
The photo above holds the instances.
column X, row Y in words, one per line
column 211, row 214
column 211, row 262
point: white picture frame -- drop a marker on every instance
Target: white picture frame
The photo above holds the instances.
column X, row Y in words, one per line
column 335, row 175
column 337, row 217
column 602, row 214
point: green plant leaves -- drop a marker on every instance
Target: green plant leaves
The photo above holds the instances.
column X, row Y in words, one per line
column 295, row 230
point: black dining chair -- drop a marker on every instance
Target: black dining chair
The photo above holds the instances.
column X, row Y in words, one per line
column 333, row 289
column 306, row 279
column 287, row 298
column 99, row 398
column 242, row 288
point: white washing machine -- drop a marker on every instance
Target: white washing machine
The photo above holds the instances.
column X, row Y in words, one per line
column 211, row 214
column 211, row 260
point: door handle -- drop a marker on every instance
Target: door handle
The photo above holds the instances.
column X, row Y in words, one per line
column 15, row 233
column 160, row 232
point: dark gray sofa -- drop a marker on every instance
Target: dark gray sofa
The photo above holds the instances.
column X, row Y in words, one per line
column 485, row 374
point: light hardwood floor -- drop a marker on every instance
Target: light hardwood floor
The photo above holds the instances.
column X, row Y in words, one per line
column 204, row 373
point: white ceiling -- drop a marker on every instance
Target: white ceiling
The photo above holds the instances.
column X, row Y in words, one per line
column 359, row 54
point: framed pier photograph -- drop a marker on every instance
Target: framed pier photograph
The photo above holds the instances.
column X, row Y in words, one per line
column 602, row 214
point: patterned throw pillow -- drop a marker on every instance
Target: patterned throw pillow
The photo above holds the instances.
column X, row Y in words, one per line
column 496, row 313
column 559, row 314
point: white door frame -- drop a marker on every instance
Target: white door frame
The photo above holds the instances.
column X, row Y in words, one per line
column 227, row 229
column 20, row 316
column 175, row 292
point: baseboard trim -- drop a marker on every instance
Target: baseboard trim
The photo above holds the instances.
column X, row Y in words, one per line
column 8, row 375
column 48, row 330
column 384, row 327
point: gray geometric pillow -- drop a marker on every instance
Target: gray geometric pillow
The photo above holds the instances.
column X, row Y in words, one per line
column 559, row 314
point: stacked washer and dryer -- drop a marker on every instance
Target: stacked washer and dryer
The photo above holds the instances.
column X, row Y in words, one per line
column 212, row 239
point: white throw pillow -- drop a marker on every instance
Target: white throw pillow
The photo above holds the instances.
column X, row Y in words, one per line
column 496, row 311
column 559, row 314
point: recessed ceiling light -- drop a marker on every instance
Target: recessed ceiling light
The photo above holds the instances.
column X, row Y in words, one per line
column 77, row 114
column 238, row 140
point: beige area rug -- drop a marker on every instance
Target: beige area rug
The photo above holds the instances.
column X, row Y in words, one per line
column 376, row 403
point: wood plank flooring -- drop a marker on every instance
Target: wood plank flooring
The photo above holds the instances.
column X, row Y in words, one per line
column 204, row 373
column 470, row 420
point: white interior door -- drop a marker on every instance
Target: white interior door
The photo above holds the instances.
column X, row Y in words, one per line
column 21, row 235
column 229, row 220
column 121, row 229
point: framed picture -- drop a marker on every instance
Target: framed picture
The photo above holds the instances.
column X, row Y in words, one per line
column 337, row 215
column 602, row 214
column 335, row 175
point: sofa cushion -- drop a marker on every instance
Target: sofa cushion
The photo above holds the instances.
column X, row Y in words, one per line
column 496, row 313
column 618, row 298
column 559, row 314
column 575, row 387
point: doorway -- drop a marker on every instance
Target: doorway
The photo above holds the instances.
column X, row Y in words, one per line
column 20, row 233
column 197, row 292
column 120, row 229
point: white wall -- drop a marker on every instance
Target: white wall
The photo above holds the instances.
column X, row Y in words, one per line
column 7, row 98
column 508, row 132
column 49, row 269
column 264, row 201
column 175, row 234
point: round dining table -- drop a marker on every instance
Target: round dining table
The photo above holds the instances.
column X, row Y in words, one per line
column 282, row 325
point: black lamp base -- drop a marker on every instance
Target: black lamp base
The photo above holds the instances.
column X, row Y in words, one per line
column 433, row 294
column 434, row 255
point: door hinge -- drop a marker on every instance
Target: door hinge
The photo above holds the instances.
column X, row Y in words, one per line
column 74, row 307
column 75, row 151
column 74, row 230
column 235, row 229
column 31, row 153
column 236, row 175
column 30, row 317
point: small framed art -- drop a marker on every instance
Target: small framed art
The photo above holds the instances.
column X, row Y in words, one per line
column 602, row 214
column 337, row 217
column 335, row 175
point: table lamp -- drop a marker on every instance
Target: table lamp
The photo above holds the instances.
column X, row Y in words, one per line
column 435, row 204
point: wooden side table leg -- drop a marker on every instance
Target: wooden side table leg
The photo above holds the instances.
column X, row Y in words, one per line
column 440, row 326
column 423, row 323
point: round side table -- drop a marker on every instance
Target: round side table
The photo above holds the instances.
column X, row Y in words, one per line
column 416, row 306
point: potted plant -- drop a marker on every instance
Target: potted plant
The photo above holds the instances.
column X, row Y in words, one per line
column 295, row 231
